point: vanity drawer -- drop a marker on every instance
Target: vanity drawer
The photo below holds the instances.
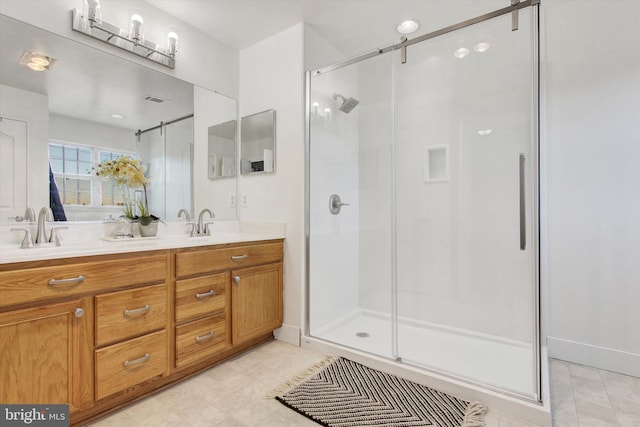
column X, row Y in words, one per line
column 210, row 260
column 126, row 314
column 132, row 362
column 201, row 296
column 25, row 285
column 200, row 339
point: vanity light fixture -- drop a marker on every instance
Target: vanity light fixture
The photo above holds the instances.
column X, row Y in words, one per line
column 408, row 26
column 36, row 61
column 88, row 21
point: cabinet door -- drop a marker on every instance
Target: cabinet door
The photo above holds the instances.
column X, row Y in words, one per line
column 45, row 355
column 256, row 301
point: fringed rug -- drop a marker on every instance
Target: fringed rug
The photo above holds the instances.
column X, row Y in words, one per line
column 338, row 392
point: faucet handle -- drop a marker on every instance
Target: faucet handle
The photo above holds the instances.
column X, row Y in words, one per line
column 27, row 242
column 54, row 237
column 207, row 231
column 193, row 228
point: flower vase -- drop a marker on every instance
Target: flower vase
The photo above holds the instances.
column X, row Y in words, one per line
column 149, row 230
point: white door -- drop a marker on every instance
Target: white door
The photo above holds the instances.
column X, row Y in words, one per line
column 13, row 172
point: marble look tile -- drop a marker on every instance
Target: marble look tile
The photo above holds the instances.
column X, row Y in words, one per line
column 587, row 391
column 509, row 421
column 593, row 413
column 584, row 372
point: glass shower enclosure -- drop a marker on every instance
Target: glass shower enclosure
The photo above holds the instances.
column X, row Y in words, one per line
column 422, row 203
column 167, row 151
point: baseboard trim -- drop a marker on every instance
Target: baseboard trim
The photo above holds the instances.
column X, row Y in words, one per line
column 289, row 334
column 608, row 359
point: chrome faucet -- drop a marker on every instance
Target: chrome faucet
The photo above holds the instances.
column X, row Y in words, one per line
column 186, row 213
column 41, row 235
column 202, row 228
column 29, row 215
column 40, row 238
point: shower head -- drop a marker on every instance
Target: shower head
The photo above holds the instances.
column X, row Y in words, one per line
column 347, row 105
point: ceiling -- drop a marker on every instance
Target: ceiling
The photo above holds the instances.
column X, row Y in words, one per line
column 352, row 26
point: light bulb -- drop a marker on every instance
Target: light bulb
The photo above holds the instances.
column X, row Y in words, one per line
column 135, row 32
column 172, row 42
column 40, row 60
column 36, row 67
column 481, row 47
column 92, row 11
column 461, row 53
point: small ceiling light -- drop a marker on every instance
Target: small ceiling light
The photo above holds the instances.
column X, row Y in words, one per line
column 407, row 27
column 135, row 32
column 116, row 116
column 36, row 67
column 485, row 132
column 481, row 47
column 461, row 53
column 36, row 61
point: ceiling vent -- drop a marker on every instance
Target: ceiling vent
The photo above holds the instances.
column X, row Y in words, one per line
column 154, row 98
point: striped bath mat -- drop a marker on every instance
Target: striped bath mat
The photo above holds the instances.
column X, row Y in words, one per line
column 343, row 393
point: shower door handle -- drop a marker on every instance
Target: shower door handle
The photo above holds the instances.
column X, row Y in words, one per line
column 523, row 225
column 335, row 204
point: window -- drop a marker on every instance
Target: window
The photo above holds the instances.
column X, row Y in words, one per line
column 73, row 171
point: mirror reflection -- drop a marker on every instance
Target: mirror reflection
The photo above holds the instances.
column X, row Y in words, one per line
column 222, row 150
column 258, row 146
column 89, row 106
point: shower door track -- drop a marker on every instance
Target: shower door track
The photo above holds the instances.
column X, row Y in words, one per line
column 431, row 35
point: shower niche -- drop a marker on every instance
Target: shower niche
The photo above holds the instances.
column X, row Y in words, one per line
column 258, row 143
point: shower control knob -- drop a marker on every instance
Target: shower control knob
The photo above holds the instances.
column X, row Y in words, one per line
column 335, row 204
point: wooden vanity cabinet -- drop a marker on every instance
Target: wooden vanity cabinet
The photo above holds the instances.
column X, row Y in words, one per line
column 57, row 317
column 46, row 354
column 247, row 306
column 99, row 332
column 256, row 301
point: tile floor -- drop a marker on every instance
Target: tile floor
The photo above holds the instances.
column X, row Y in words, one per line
column 231, row 395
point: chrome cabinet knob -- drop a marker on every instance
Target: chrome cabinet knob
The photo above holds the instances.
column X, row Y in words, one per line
column 236, row 279
column 78, row 312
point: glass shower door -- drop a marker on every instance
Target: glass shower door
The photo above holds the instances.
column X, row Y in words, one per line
column 466, row 193
column 350, row 238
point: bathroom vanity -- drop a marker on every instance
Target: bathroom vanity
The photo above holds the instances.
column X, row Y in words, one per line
column 101, row 330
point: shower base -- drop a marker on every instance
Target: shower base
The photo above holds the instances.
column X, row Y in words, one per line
column 485, row 359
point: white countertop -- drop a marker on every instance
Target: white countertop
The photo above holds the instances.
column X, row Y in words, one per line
column 11, row 252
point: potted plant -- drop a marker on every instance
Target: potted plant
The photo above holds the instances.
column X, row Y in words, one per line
column 127, row 173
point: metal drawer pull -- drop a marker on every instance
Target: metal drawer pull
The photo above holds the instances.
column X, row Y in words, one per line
column 78, row 312
column 141, row 310
column 206, row 294
column 78, row 280
column 143, row 359
column 236, row 279
column 205, row 337
column 239, row 257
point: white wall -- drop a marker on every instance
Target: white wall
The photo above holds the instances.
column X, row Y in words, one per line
column 70, row 129
column 592, row 88
column 271, row 76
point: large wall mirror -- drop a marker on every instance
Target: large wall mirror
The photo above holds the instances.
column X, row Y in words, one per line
column 90, row 106
column 258, row 145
